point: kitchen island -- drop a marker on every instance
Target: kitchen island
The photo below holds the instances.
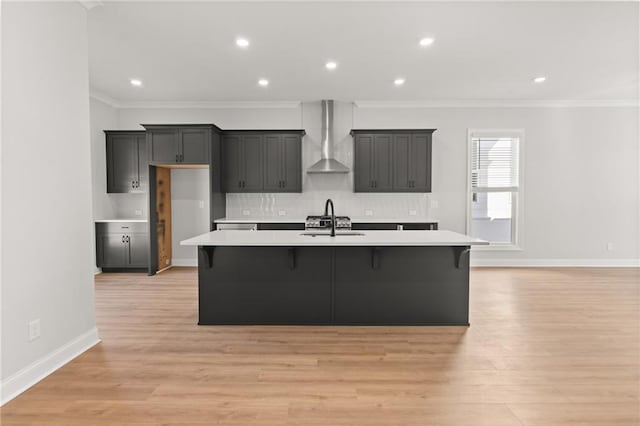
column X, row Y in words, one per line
column 354, row 278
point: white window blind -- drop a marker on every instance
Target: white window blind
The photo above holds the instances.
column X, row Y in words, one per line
column 494, row 164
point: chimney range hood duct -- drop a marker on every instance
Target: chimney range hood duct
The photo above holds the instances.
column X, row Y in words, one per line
column 327, row 163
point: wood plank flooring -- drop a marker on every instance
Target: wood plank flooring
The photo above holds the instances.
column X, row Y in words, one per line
column 545, row 347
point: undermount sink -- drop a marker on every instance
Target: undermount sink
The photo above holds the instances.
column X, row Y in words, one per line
column 327, row 234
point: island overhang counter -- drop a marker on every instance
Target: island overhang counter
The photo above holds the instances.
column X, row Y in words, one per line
column 363, row 278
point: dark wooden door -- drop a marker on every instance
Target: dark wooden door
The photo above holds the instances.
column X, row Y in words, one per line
column 292, row 163
column 113, row 253
column 420, row 162
column 138, row 250
column 273, row 164
column 363, row 170
column 252, row 162
column 163, row 146
column 232, row 166
column 382, row 163
column 194, row 146
column 122, row 163
column 402, row 162
column 142, row 164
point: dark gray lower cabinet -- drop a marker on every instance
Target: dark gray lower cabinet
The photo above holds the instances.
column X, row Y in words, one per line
column 122, row 245
column 264, row 285
column 334, row 285
column 400, row 285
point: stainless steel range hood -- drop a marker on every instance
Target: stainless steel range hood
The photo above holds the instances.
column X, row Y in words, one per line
column 327, row 164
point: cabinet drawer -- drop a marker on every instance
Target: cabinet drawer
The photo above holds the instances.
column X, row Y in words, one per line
column 122, row 227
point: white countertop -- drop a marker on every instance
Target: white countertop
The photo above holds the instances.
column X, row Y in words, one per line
column 120, row 220
column 367, row 219
column 296, row 238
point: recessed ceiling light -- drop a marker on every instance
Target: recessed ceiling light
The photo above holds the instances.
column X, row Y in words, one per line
column 399, row 81
column 135, row 82
column 263, row 82
column 331, row 65
column 427, row 41
column 539, row 79
column 242, row 42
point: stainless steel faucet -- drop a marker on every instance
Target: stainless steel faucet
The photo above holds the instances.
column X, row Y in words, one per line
column 333, row 215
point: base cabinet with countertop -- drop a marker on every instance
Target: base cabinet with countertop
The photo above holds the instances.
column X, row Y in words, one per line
column 122, row 246
column 371, row 278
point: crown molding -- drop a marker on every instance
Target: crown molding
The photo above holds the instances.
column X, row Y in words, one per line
column 90, row 4
column 519, row 103
column 103, row 97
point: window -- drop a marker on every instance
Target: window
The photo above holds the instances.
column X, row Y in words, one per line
column 495, row 189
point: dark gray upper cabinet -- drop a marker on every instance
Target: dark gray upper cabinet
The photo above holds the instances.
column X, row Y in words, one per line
column 126, row 161
column 179, row 144
column 392, row 160
column 263, row 161
column 373, row 163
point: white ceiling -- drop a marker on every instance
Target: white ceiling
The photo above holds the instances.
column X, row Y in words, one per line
column 483, row 51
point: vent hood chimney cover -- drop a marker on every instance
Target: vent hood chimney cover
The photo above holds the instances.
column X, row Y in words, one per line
column 327, row 164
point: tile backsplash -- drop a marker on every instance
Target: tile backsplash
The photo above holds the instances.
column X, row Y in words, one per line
column 356, row 205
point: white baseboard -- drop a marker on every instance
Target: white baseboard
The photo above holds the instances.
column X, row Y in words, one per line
column 541, row 263
column 184, row 262
column 19, row 382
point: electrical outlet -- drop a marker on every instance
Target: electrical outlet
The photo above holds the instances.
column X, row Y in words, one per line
column 412, row 212
column 246, row 213
column 609, row 246
column 34, row 329
column 434, row 204
column 282, row 212
column 201, row 204
column 368, row 212
column 138, row 212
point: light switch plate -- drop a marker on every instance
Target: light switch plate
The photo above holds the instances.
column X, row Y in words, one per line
column 138, row 212
column 368, row 212
column 609, row 246
column 434, row 204
column 282, row 212
column 412, row 212
column 246, row 213
column 201, row 204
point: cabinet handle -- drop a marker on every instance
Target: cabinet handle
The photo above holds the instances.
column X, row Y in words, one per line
column 182, row 158
column 127, row 238
column 123, row 238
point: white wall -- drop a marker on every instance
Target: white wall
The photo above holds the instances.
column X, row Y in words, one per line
column 189, row 212
column 47, row 231
column 580, row 171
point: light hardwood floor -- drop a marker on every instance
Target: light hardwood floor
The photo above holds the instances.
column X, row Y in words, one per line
column 545, row 347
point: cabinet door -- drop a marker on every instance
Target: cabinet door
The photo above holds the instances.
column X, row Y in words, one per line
column 273, row 163
column 142, row 164
column 252, row 173
column 363, row 169
column 122, row 163
column 402, row 162
column 138, row 250
column 421, row 162
column 292, row 163
column 163, row 146
column 232, row 152
column 194, row 146
column 112, row 251
column 382, row 163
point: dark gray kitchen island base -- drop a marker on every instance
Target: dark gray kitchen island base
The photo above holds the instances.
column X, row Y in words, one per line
column 356, row 285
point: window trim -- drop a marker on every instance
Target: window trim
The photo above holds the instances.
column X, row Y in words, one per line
column 517, row 206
